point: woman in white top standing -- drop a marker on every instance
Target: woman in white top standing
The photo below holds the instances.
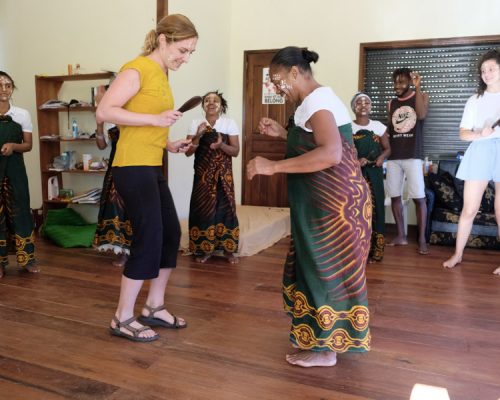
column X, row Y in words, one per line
column 324, row 284
column 481, row 162
column 372, row 144
column 16, row 220
column 213, row 224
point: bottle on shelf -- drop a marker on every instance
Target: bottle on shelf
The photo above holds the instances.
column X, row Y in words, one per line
column 427, row 165
column 74, row 128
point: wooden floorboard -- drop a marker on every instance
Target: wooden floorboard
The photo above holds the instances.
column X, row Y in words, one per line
column 429, row 325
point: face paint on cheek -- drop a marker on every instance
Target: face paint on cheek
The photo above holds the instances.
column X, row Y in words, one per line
column 282, row 86
column 5, row 83
column 285, row 86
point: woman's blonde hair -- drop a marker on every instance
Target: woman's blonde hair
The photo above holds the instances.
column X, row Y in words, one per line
column 175, row 27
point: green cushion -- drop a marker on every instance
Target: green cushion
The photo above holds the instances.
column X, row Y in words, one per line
column 71, row 235
column 64, row 216
column 66, row 228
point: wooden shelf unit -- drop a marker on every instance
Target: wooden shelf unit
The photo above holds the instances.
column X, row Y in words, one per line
column 48, row 88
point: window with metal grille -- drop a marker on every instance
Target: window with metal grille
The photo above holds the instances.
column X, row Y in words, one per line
column 449, row 75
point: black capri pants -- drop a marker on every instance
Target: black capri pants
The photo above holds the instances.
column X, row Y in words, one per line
column 156, row 232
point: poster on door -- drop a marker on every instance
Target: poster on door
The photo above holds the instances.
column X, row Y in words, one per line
column 269, row 95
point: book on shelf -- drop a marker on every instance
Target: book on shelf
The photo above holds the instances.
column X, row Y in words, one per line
column 50, row 137
column 54, row 103
column 79, row 103
column 91, row 196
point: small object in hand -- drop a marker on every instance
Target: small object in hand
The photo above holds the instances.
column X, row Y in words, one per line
column 496, row 124
column 190, row 104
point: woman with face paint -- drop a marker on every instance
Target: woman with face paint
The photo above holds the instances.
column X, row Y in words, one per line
column 16, row 221
column 481, row 162
column 373, row 148
column 324, row 284
column 140, row 101
column 213, row 224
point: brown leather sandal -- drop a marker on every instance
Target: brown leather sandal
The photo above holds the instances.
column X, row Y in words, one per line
column 135, row 332
column 152, row 321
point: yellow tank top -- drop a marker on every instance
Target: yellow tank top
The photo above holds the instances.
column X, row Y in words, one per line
column 144, row 145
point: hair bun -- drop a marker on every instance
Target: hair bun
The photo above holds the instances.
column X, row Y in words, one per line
column 310, row 56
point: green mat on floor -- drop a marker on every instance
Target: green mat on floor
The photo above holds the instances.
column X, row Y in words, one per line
column 66, row 228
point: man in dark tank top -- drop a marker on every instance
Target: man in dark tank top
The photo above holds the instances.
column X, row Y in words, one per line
column 405, row 128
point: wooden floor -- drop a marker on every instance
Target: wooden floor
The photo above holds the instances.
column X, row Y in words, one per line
column 429, row 325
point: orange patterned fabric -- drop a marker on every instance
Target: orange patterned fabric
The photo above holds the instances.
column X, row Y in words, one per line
column 213, row 224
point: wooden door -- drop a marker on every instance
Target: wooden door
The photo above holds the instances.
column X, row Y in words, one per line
column 262, row 190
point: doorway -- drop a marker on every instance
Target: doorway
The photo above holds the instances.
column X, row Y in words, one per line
column 270, row 191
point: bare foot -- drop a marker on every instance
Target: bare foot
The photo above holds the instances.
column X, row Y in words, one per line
column 120, row 261
column 452, row 261
column 497, row 271
column 204, row 258
column 398, row 241
column 32, row 268
column 423, row 249
column 313, row 358
column 232, row 258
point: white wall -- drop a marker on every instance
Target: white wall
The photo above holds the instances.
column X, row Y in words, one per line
column 105, row 33
column 43, row 37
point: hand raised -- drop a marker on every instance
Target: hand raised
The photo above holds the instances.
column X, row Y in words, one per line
column 270, row 127
column 260, row 166
column 416, row 79
column 201, row 129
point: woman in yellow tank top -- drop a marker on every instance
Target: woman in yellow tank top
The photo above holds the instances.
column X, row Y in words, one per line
column 140, row 101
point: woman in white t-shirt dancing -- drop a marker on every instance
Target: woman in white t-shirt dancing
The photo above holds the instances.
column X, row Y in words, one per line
column 324, row 285
column 213, row 224
column 481, row 162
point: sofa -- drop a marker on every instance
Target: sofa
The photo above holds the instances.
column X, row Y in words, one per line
column 446, row 192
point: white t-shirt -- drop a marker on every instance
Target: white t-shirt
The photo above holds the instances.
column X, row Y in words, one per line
column 376, row 127
column 222, row 125
column 106, row 127
column 322, row 98
column 480, row 112
column 22, row 117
